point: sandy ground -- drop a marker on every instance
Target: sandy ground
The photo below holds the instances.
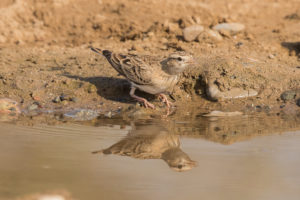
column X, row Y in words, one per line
column 44, row 52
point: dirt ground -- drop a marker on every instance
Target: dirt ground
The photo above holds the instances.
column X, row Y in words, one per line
column 44, row 51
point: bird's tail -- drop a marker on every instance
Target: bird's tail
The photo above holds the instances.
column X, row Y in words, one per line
column 102, row 151
column 98, row 152
column 105, row 53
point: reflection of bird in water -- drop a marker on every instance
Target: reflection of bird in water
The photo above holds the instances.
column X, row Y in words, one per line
column 151, row 143
column 148, row 74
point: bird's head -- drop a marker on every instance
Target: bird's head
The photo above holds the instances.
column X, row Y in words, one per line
column 177, row 62
column 178, row 160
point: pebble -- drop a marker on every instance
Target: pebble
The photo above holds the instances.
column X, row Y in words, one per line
column 288, row 95
column 108, row 114
column 32, row 107
column 82, row 114
column 235, row 93
column 213, row 92
column 92, row 89
column 217, row 113
column 57, row 99
column 231, row 27
column 271, row 56
column 190, row 33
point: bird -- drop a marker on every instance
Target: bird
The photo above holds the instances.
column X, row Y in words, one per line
column 148, row 73
column 151, row 142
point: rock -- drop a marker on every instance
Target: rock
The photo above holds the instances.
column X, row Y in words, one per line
column 217, row 113
column 57, row 99
column 108, row 114
column 235, row 93
column 230, row 27
column 190, row 33
column 9, row 106
column 32, row 107
column 82, row 114
column 298, row 102
column 290, row 95
column 213, row 92
column 209, row 36
column 92, row 89
column 271, row 56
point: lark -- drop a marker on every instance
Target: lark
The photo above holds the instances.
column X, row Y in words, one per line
column 149, row 74
column 150, row 142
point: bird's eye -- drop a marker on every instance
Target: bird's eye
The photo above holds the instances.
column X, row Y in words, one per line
column 179, row 166
column 179, row 59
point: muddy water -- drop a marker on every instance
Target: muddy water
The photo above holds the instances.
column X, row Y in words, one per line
column 248, row 157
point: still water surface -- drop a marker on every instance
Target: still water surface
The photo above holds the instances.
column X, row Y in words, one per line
column 199, row 159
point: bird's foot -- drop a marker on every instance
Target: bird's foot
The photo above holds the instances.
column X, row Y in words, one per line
column 146, row 103
column 165, row 100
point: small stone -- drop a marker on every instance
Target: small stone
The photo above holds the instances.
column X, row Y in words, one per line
column 298, row 102
column 271, row 56
column 217, row 113
column 57, row 99
column 108, row 114
column 288, row 95
column 213, row 92
column 33, row 107
column 231, row 27
column 190, row 33
column 92, row 89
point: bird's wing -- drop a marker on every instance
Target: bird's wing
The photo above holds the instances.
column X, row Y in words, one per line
column 132, row 67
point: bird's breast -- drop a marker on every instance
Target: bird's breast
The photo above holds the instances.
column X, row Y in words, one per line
column 159, row 85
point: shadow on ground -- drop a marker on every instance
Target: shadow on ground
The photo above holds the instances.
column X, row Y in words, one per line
column 115, row 89
column 292, row 47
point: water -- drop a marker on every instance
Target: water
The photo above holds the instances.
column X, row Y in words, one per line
column 248, row 157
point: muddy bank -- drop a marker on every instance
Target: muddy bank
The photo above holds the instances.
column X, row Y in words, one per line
column 46, row 64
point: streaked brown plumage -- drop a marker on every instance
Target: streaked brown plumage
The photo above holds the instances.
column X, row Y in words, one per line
column 147, row 73
column 150, row 142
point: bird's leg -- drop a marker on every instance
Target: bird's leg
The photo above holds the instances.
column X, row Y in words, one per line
column 165, row 100
column 140, row 99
